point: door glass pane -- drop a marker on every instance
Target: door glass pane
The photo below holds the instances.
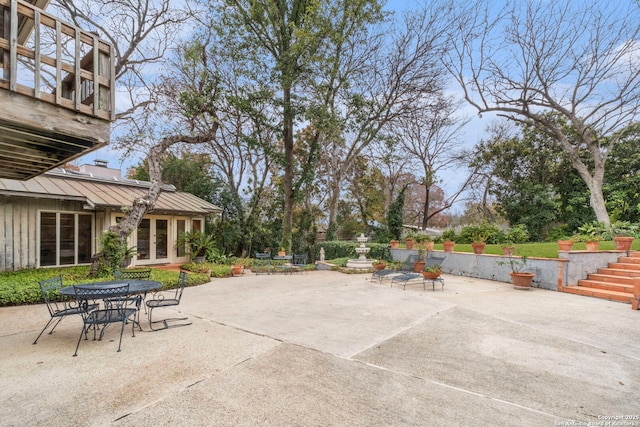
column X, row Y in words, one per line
column 197, row 225
column 67, row 239
column 162, row 238
column 47, row 238
column 84, row 238
column 181, row 227
column 144, row 239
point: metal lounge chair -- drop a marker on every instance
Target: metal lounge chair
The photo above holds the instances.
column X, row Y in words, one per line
column 404, row 279
column 406, row 267
column 59, row 306
column 116, row 309
column 433, row 262
column 170, row 298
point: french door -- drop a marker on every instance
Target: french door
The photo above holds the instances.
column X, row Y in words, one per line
column 153, row 244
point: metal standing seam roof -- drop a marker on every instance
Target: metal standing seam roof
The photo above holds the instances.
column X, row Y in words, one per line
column 104, row 192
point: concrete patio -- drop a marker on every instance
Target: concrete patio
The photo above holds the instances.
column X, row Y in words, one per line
column 330, row 349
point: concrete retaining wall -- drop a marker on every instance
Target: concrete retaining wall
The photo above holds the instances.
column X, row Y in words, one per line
column 550, row 272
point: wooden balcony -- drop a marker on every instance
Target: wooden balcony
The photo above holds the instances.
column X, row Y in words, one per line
column 57, row 90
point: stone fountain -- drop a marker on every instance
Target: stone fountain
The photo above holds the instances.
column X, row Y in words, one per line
column 362, row 262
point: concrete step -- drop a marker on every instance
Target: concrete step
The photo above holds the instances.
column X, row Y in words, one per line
column 629, row 260
column 624, row 266
column 604, row 285
column 611, row 278
column 599, row 293
column 619, row 272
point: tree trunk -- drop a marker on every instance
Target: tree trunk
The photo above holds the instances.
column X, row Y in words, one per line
column 594, row 181
column 289, row 197
column 144, row 204
column 425, row 216
column 596, row 199
column 333, row 210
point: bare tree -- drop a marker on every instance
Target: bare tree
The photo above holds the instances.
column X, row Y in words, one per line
column 431, row 135
column 579, row 59
column 385, row 78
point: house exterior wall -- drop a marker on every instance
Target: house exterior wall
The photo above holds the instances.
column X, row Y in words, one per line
column 19, row 221
column 20, row 229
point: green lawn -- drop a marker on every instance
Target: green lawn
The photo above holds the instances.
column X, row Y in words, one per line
column 541, row 250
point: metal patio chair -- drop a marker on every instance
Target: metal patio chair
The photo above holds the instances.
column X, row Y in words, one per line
column 59, row 306
column 299, row 262
column 263, row 263
column 117, row 309
column 138, row 274
column 170, row 298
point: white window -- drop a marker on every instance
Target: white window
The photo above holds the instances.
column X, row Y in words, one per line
column 65, row 238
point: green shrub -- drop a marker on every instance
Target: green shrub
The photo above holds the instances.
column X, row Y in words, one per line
column 339, row 249
column 21, row 287
column 517, row 234
column 448, row 235
column 486, row 232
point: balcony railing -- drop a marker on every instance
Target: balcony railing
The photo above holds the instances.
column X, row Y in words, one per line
column 55, row 62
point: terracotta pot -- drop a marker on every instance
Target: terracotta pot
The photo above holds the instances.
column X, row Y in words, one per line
column 380, row 265
column 428, row 246
column 236, row 270
column 282, row 253
column 592, row 246
column 478, row 248
column 448, row 246
column 508, row 250
column 522, row 281
column 394, row 244
column 418, row 266
column 409, row 243
column 565, row 245
column 430, row 275
column 623, row 243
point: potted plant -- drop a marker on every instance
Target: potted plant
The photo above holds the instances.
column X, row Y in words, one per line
column 448, row 240
column 508, row 248
column 565, row 243
column 282, row 251
column 199, row 244
column 409, row 242
column 379, row 265
column 394, row 244
column 479, row 240
column 623, row 233
column 425, row 241
column 521, row 280
column 432, row 272
column 237, row 266
column 591, row 234
column 128, row 255
column 418, row 266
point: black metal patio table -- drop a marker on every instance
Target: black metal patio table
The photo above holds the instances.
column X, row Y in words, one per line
column 135, row 287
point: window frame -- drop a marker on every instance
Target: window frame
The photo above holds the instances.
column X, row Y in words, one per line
column 76, row 236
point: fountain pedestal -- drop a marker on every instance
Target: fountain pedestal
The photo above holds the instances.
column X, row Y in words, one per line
column 362, row 262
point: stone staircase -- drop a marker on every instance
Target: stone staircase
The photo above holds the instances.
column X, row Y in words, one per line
column 614, row 282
